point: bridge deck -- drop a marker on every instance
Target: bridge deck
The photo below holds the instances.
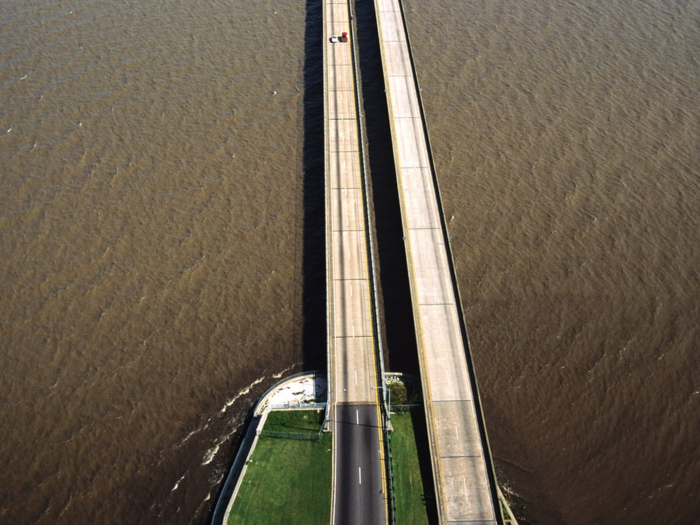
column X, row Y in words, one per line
column 463, row 490
column 358, row 495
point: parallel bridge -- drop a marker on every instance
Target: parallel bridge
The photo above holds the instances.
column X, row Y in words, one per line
column 462, row 471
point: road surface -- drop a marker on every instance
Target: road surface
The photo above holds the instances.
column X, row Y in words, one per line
column 359, row 473
column 358, row 491
column 459, row 453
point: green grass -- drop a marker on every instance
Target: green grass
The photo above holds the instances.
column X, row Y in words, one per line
column 287, row 481
column 413, row 487
column 306, row 421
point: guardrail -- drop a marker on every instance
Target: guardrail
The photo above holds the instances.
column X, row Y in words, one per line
column 328, row 240
column 298, row 436
column 405, row 408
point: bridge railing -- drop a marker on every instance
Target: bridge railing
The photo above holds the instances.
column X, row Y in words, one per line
column 387, row 470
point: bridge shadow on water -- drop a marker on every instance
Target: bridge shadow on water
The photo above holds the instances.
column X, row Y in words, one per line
column 395, row 301
column 395, row 298
column 314, row 248
column 394, row 293
column 313, row 300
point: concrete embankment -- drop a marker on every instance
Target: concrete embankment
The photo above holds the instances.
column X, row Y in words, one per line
column 304, row 390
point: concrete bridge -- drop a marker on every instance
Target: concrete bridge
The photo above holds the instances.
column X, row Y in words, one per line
column 461, row 464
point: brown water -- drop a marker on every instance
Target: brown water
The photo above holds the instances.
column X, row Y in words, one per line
column 567, row 143
column 152, row 233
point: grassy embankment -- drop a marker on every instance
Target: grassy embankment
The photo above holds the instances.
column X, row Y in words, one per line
column 413, row 487
column 413, row 481
column 287, row 481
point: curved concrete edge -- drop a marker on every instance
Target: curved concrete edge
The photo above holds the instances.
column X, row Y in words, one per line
column 510, row 518
column 262, row 408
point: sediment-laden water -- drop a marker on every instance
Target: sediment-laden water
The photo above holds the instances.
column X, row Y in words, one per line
column 156, row 232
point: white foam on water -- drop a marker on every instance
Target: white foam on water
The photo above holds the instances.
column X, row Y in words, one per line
column 211, row 453
column 241, row 393
column 177, row 483
column 280, row 374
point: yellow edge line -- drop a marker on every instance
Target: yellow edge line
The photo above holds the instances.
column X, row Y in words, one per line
column 381, row 441
column 369, row 303
column 381, row 50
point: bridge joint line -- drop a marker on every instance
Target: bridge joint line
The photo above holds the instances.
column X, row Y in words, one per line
column 437, row 304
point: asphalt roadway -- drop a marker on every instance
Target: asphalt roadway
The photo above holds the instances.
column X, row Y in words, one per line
column 359, row 491
column 358, row 496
